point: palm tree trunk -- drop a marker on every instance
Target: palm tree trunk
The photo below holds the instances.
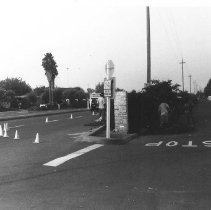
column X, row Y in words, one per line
column 50, row 93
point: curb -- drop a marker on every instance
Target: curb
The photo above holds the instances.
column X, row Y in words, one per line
column 121, row 141
column 42, row 114
column 97, row 130
column 114, row 141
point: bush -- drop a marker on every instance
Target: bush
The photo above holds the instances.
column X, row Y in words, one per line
column 143, row 106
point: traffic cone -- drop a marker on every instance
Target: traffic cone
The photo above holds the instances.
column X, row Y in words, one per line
column 37, row 139
column 4, row 126
column 93, row 113
column 16, row 135
column 46, row 120
column 71, row 116
column 5, row 134
column 1, row 131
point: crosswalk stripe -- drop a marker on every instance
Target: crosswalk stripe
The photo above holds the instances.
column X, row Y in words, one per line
column 58, row 161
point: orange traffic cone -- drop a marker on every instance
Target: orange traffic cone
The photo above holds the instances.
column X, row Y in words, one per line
column 93, row 113
column 37, row 139
column 16, row 135
column 71, row 116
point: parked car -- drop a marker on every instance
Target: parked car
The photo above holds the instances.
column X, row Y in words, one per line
column 43, row 106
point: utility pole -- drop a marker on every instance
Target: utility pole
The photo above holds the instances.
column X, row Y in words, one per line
column 194, row 87
column 148, row 47
column 182, row 75
column 67, row 76
column 190, row 82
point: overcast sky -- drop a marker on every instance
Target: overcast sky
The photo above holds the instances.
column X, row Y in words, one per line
column 83, row 35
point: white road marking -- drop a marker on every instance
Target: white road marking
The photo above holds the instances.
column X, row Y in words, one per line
column 78, row 116
column 75, row 134
column 16, row 115
column 52, row 121
column 17, row 126
column 175, row 143
column 58, row 161
column 190, row 144
column 172, row 144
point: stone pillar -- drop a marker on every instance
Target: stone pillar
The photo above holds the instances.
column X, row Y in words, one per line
column 121, row 112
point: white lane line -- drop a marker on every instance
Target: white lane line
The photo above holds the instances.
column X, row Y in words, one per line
column 17, row 126
column 15, row 115
column 75, row 134
column 52, row 121
column 78, row 116
column 58, row 161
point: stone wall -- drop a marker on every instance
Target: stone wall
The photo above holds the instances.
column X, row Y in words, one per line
column 121, row 112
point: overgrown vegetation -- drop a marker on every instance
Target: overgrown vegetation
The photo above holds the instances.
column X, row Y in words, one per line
column 143, row 106
column 207, row 89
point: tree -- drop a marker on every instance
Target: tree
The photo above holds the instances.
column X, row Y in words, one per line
column 99, row 87
column 6, row 97
column 51, row 72
column 17, row 85
column 119, row 89
column 90, row 90
column 207, row 89
column 39, row 90
column 74, row 93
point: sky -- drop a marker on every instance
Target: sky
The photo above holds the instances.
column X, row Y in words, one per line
column 83, row 35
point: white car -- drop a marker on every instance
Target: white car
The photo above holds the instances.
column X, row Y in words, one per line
column 43, row 105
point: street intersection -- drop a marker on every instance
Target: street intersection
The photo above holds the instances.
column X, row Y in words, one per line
column 166, row 172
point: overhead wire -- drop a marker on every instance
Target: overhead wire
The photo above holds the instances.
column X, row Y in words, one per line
column 171, row 31
column 174, row 31
column 174, row 51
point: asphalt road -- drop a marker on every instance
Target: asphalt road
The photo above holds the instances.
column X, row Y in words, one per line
column 165, row 172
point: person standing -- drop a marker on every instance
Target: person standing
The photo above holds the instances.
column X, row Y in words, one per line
column 101, row 104
column 163, row 110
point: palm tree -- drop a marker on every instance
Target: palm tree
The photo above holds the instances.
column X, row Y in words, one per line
column 51, row 72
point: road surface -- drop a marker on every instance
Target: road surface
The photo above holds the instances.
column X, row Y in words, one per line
column 165, row 172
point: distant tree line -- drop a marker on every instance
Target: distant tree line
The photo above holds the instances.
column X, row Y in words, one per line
column 16, row 93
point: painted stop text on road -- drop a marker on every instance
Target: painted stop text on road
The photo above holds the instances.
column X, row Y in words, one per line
column 188, row 144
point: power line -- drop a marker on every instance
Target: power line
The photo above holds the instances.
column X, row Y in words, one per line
column 177, row 38
column 168, row 36
column 174, row 34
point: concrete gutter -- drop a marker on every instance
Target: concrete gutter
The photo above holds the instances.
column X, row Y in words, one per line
column 42, row 113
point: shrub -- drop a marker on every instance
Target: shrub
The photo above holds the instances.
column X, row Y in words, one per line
column 143, row 106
